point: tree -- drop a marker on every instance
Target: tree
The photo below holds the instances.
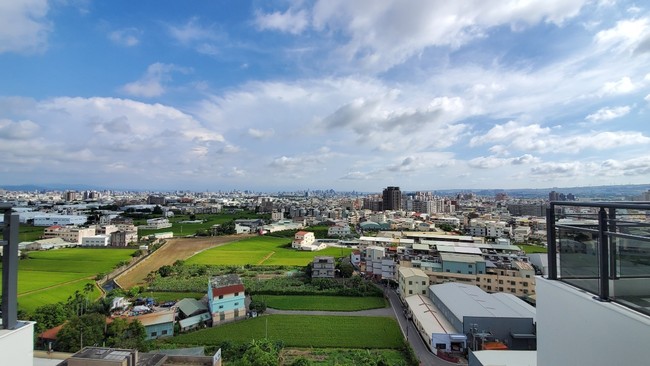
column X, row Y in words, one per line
column 345, row 269
column 50, row 315
column 85, row 330
column 157, row 210
column 258, row 306
column 124, row 334
column 301, row 361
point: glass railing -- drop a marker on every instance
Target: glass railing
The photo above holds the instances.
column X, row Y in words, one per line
column 602, row 248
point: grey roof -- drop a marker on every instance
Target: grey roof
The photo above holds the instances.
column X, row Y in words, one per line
column 189, row 306
column 467, row 300
column 225, row 280
column 464, row 258
column 193, row 351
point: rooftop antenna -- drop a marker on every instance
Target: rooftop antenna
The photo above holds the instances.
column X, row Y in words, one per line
column 9, row 268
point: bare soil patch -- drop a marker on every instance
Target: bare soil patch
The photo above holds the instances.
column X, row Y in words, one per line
column 170, row 252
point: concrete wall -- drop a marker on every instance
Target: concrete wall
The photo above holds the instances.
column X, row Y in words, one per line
column 17, row 346
column 575, row 329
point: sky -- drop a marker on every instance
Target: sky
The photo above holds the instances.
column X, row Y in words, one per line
column 332, row 94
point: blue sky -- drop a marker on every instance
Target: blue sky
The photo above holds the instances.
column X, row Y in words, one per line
column 349, row 95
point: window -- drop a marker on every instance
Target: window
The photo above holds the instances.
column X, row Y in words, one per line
column 410, row 292
column 500, row 282
column 236, row 303
column 424, row 283
column 220, row 306
column 525, row 284
column 447, row 271
column 489, row 288
column 410, row 282
column 458, row 271
column 222, row 316
column 470, row 265
column 236, row 293
column 424, row 292
column 513, row 290
column 153, row 334
column 164, row 332
column 220, row 297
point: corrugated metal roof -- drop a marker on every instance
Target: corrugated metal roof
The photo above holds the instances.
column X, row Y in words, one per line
column 466, row 300
column 189, row 306
column 465, row 258
column 158, row 317
column 429, row 316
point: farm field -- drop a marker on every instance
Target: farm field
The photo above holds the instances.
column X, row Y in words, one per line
column 303, row 331
column 183, row 229
column 261, row 250
column 173, row 250
column 532, row 248
column 323, row 303
column 51, row 276
column 336, row 356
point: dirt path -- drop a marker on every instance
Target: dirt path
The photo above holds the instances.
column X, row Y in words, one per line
column 173, row 250
column 265, row 258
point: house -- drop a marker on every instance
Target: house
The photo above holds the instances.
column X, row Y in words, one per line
column 323, row 267
column 412, row 281
column 226, row 298
column 301, row 238
column 159, row 324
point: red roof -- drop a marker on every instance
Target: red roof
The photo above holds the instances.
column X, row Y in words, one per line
column 51, row 333
column 218, row 291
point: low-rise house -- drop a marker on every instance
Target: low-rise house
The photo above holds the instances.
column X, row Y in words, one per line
column 323, row 267
column 159, row 324
column 95, row 241
column 412, row 281
column 303, row 238
column 226, row 298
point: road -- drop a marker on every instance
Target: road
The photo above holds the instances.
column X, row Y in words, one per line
column 412, row 335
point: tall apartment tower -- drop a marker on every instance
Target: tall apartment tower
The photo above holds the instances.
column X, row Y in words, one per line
column 392, row 199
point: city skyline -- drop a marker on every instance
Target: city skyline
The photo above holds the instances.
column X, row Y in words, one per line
column 325, row 94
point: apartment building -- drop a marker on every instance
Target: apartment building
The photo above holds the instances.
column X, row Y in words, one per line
column 226, row 298
column 412, row 281
column 323, row 267
column 71, row 234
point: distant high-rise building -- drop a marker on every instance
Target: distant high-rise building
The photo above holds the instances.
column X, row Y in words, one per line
column 554, row 196
column 392, row 198
column 70, row 196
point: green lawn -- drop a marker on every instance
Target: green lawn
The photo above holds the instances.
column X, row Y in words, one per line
column 325, row 303
column 304, row 331
column 30, row 232
column 261, row 250
column 53, row 275
column 532, row 248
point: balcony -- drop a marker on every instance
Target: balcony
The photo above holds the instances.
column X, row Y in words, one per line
column 602, row 248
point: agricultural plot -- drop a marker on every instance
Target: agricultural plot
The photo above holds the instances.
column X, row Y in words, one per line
column 181, row 227
column 52, row 276
column 333, row 356
column 322, row 303
column 533, row 248
column 261, row 250
column 303, row 331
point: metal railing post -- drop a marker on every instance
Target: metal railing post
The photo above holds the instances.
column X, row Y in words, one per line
column 612, row 245
column 603, row 256
column 550, row 242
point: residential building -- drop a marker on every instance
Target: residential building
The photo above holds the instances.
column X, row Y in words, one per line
column 323, row 267
column 156, row 224
column 159, row 324
column 412, row 281
column 392, row 199
column 339, row 230
column 303, row 238
column 226, row 298
column 71, row 234
column 463, row 263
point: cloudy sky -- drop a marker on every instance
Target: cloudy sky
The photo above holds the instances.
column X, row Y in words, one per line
column 349, row 95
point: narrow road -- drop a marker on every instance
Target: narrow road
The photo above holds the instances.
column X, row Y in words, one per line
column 412, row 335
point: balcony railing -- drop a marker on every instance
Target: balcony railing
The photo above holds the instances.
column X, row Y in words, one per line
column 602, row 248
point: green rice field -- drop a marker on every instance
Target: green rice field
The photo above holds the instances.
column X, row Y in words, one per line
column 323, row 303
column 303, row 331
column 51, row 276
column 262, row 250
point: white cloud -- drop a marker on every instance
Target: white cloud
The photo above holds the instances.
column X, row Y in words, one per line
column 291, row 21
column 23, row 26
column 20, row 130
column 151, row 84
column 622, row 86
column 606, row 114
column 492, row 162
column 191, row 31
column 625, row 35
column 384, row 34
column 647, row 98
column 260, row 134
column 127, row 37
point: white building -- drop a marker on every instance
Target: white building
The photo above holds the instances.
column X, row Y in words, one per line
column 63, row 220
column 303, row 238
column 339, row 230
column 95, row 241
column 155, row 224
column 17, row 345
